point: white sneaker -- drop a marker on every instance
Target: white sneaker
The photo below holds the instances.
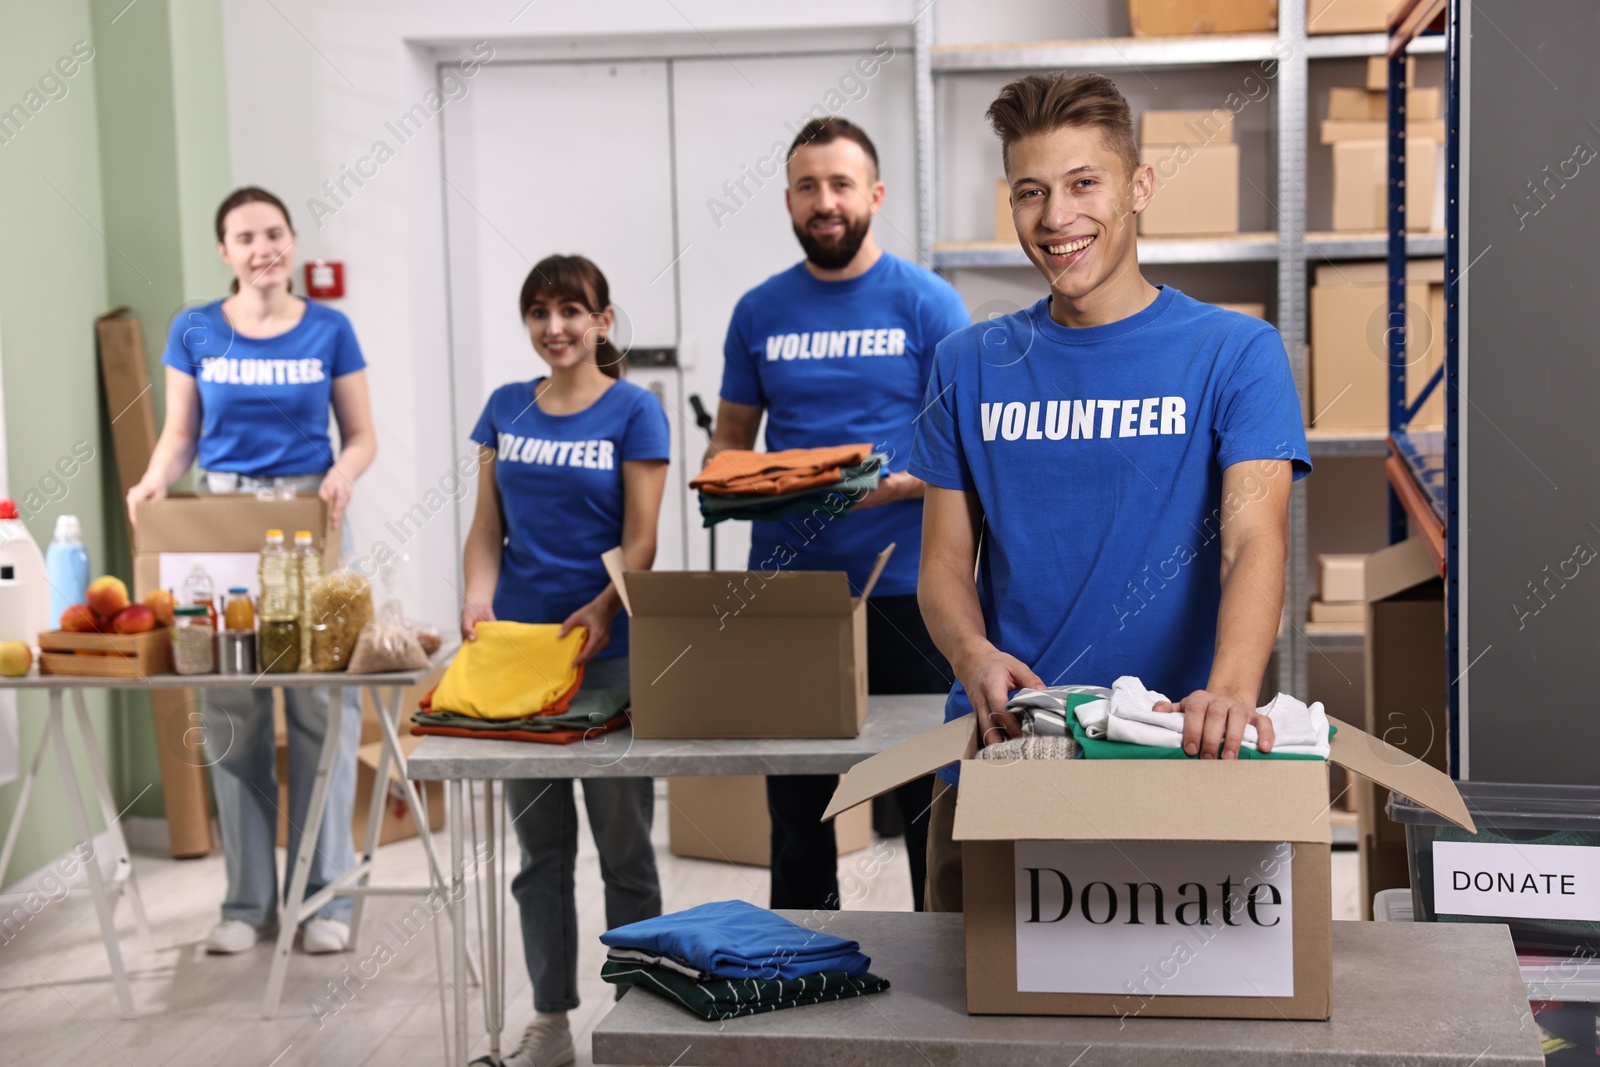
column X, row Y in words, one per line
column 231, row 937
column 547, row 1042
column 320, row 936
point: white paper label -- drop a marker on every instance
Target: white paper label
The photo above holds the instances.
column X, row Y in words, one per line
column 1516, row 881
column 1155, row 918
column 227, row 570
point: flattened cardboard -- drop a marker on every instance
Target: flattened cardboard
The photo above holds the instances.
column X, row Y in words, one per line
column 1186, row 127
column 1155, row 800
column 126, row 379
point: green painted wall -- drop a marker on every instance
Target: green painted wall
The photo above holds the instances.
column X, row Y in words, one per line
column 109, row 186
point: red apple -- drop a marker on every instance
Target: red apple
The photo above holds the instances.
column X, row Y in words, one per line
column 133, row 619
column 107, row 596
column 161, row 602
column 79, row 619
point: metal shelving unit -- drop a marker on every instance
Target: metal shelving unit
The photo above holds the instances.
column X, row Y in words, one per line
column 1291, row 247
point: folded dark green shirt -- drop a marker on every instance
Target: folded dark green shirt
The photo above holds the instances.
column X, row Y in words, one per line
column 590, row 707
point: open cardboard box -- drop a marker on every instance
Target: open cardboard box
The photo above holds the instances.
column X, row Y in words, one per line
column 724, row 654
column 1187, row 888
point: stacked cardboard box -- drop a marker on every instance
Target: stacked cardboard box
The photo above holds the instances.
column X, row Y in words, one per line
column 1182, row 18
column 1348, row 16
column 1196, row 164
column 1357, row 128
column 1341, row 590
column 1349, row 338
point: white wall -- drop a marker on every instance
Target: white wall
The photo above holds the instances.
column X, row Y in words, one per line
column 311, row 85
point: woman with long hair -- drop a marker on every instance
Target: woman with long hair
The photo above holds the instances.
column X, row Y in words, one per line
column 250, row 381
column 573, row 463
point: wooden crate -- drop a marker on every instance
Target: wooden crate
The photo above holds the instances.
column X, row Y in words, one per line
column 120, row 655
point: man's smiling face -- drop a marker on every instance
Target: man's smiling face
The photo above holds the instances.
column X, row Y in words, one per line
column 1074, row 203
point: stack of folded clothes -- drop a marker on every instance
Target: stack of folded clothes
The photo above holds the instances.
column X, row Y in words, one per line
column 762, row 486
column 519, row 682
column 730, row 958
column 1126, row 725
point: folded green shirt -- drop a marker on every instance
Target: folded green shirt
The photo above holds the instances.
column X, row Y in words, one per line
column 862, row 478
column 590, row 707
column 731, row 998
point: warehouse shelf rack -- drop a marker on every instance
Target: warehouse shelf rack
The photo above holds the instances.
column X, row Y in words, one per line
column 1291, row 247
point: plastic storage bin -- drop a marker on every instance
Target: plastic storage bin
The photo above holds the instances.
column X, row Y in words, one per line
column 1515, row 814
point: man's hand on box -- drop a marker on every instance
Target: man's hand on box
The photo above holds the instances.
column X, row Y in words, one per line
column 336, row 490
column 989, row 679
column 1213, row 724
column 143, row 490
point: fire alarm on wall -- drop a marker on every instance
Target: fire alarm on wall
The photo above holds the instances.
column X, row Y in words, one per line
column 325, row 279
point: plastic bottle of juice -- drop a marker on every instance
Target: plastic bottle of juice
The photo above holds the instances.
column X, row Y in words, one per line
column 240, row 614
column 308, row 564
column 279, row 635
column 200, row 592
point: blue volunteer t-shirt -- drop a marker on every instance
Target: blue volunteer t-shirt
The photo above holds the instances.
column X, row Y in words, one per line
column 560, row 482
column 264, row 403
column 1097, row 456
column 838, row 363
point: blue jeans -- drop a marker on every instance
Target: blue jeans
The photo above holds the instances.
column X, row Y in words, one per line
column 546, row 820
column 239, row 749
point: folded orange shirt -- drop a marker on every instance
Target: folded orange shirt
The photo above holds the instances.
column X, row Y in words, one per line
column 739, row 472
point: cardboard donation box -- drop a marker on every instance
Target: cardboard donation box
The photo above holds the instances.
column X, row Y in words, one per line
column 724, row 654
column 223, row 531
column 1184, row 888
column 724, row 817
column 1182, row 18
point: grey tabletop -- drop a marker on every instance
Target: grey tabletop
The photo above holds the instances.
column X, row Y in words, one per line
column 618, row 754
column 1403, row 993
column 35, row 680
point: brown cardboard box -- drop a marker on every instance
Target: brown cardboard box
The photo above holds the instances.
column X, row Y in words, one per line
column 1352, row 614
column 1378, row 72
column 1348, row 16
column 746, row 653
column 185, row 524
column 1196, row 190
column 1186, row 127
column 126, row 379
column 1361, row 178
column 399, row 822
column 1376, row 272
column 1170, row 830
column 1342, row 577
column 1255, row 311
column 1005, row 227
column 1406, row 698
column 1182, row 18
column 724, row 817
column 1349, row 368
column 1337, row 130
column 1364, row 105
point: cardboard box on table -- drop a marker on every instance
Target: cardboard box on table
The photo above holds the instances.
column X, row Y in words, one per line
column 746, row 654
column 724, row 817
column 1207, row 882
column 1407, row 703
column 226, row 531
column 1183, row 18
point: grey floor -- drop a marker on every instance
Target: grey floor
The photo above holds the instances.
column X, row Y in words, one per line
column 58, row 1005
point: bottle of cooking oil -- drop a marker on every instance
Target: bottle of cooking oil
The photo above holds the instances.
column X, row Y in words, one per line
column 308, row 571
column 279, row 608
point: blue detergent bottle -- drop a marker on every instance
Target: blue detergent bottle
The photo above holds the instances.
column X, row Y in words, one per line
column 66, row 566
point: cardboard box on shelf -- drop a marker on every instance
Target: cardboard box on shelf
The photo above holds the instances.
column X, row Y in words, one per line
column 724, row 654
column 1341, row 577
column 1378, row 72
column 1406, row 698
column 1005, row 227
column 1196, row 190
column 399, row 822
column 1349, row 363
column 1348, row 16
column 1364, row 105
column 1376, row 272
column 1336, row 130
column 724, row 817
column 1184, row 18
column 1361, row 178
column 1350, row 613
column 225, row 531
column 1255, row 311
column 1218, row 883
column 1186, row 127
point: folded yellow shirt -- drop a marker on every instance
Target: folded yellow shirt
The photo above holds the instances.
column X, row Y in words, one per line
column 513, row 670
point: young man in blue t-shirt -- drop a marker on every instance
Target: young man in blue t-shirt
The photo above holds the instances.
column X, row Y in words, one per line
column 836, row 350
column 1125, row 452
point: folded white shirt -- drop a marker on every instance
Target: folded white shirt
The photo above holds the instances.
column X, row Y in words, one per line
column 1129, row 715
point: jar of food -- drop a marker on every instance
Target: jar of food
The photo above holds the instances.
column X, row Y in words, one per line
column 240, row 613
column 193, row 641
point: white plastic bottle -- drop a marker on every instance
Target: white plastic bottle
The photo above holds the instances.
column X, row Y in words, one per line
column 20, row 552
column 66, row 565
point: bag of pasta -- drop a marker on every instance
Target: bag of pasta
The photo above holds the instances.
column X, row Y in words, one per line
column 388, row 644
column 341, row 607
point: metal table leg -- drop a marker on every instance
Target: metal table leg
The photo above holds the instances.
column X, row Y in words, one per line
column 458, row 915
column 124, row 880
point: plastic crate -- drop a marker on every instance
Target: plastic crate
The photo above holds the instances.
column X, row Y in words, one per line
column 1512, row 814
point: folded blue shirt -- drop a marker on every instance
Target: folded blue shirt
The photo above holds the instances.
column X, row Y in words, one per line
column 733, row 939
